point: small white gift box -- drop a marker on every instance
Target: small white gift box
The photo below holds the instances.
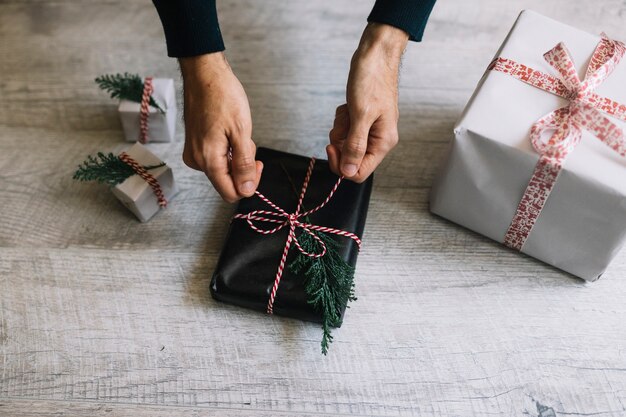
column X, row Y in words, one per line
column 136, row 193
column 583, row 223
column 161, row 126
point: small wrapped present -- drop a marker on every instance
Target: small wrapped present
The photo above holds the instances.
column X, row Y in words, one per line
column 147, row 107
column 291, row 249
column 538, row 159
column 139, row 179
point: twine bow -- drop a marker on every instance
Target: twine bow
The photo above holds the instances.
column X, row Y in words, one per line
column 292, row 220
column 583, row 112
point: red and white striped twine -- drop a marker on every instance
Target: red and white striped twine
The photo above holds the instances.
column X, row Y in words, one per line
column 282, row 218
column 149, row 178
column 144, row 109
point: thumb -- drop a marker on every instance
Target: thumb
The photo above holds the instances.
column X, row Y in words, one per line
column 354, row 147
column 243, row 166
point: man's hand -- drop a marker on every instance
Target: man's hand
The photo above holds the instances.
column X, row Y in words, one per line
column 366, row 127
column 217, row 118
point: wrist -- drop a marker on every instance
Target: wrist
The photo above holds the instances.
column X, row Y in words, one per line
column 383, row 39
column 203, row 67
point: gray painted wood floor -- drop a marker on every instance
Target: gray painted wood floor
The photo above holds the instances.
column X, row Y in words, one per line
column 102, row 315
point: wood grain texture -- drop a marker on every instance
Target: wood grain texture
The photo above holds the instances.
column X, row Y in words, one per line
column 45, row 408
column 103, row 316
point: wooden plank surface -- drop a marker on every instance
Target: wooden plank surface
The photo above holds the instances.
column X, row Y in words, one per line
column 102, row 315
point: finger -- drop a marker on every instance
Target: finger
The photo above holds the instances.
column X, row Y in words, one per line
column 369, row 163
column 337, row 137
column 377, row 151
column 337, row 140
column 259, row 171
column 191, row 163
column 188, row 158
column 355, row 146
column 341, row 126
column 217, row 170
column 243, row 166
column 334, row 156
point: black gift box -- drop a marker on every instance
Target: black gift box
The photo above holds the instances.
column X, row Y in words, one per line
column 248, row 263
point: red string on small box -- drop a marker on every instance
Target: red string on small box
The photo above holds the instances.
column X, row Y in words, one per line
column 144, row 109
column 147, row 177
column 283, row 219
column 584, row 111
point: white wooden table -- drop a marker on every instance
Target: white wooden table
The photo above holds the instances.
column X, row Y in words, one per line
column 101, row 315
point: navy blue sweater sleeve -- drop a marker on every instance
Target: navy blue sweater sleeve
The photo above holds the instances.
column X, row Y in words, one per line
column 191, row 26
column 408, row 15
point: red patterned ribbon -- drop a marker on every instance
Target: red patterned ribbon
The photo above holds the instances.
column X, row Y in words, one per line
column 283, row 219
column 144, row 109
column 149, row 178
column 567, row 123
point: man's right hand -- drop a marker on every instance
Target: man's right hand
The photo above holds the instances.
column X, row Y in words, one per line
column 217, row 118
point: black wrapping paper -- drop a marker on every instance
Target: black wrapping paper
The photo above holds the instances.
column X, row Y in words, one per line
column 249, row 260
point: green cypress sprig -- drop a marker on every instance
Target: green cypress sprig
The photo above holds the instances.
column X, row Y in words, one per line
column 329, row 281
column 107, row 169
column 125, row 87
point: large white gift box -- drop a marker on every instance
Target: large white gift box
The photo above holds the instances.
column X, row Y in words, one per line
column 583, row 223
column 136, row 193
column 161, row 126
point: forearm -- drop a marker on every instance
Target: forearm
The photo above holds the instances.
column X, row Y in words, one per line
column 383, row 42
column 203, row 68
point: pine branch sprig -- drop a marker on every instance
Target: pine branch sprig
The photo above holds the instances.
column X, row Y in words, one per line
column 107, row 169
column 329, row 281
column 125, row 87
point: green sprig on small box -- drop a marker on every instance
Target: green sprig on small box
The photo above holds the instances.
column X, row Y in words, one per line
column 107, row 169
column 125, row 87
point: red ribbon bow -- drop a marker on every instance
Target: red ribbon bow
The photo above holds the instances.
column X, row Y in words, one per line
column 584, row 111
column 284, row 219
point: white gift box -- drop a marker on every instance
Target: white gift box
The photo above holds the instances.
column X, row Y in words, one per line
column 136, row 194
column 583, row 224
column 161, row 126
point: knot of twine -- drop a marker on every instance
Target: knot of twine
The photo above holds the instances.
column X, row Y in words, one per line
column 292, row 220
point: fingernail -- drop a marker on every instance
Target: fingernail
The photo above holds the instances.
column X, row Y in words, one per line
column 247, row 187
column 349, row 169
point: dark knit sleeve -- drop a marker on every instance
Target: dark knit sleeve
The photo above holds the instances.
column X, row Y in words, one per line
column 191, row 27
column 408, row 15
